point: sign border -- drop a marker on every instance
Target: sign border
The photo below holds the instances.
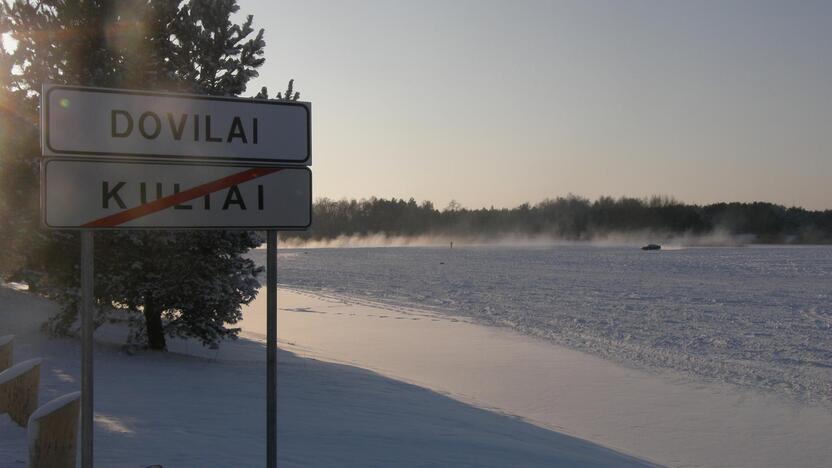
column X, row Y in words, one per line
column 46, row 160
column 48, row 88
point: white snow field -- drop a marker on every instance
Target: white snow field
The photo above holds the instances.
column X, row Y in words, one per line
column 432, row 357
column 756, row 316
column 194, row 407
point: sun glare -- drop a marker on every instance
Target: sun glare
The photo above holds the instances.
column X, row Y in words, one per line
column 8, row 43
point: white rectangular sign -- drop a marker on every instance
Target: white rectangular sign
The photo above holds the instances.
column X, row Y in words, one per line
column 93, row 194
column 99, row 122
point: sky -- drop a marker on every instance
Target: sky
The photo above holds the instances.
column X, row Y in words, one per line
column 500, row 103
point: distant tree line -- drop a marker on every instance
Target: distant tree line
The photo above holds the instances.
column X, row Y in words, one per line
column 571, row 217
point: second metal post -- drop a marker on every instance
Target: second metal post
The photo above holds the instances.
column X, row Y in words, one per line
column 271, row 349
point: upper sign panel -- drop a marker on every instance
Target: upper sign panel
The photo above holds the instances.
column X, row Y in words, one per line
column 78, row 121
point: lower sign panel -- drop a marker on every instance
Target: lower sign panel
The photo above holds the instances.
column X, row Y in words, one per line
column 79, row 194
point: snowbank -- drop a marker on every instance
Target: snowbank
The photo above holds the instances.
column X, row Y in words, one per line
column 18, row 369
column 48, row 408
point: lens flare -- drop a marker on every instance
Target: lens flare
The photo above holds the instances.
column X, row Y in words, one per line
column 65, row 103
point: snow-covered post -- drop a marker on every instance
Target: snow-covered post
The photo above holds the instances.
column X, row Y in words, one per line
column 53, row 433
column 19, row 390
column 6, row 352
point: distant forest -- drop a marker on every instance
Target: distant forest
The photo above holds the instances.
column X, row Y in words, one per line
column 570, row 218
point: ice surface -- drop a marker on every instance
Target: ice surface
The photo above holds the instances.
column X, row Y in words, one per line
column 754, row 316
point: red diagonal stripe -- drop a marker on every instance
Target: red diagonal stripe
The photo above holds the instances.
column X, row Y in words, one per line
column 181, row 197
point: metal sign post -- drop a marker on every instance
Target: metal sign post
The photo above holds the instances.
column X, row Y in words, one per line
column 87, row 319
column 122, row 159
column 271, row 349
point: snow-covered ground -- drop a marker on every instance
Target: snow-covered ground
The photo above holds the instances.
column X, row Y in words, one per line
column 756, row 316
column 195, row 407
column 386, row 361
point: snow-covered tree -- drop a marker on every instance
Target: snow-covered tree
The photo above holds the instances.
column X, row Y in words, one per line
column 172, row 283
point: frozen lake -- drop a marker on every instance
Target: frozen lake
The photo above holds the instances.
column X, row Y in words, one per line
column 755, row 316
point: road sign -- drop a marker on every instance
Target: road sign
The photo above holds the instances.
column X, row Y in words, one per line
column 119, row 159
column 107, row 123
column 94, row 194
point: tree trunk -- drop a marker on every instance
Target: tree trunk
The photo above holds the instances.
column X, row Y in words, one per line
column 155, row 331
